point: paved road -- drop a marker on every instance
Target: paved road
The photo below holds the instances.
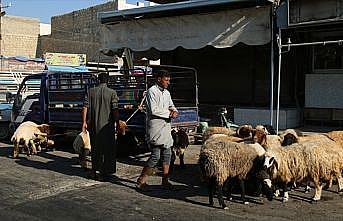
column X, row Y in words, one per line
column 51, row 186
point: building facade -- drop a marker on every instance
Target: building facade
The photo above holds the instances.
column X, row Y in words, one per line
column 79, row 32
column 316, row 70
column 19, row 36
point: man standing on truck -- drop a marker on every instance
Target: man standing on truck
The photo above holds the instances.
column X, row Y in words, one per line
column 102, row 103
column 160, row 111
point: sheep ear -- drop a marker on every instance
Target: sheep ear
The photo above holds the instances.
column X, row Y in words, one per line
column 275, row 163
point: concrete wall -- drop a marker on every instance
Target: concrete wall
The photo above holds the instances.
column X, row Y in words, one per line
column 79, row 32
column 19, row 36
column 76, row 32
column 45, row 29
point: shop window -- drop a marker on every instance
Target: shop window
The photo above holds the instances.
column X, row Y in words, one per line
column 328, row 59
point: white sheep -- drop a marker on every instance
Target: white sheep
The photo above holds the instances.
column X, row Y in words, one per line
column 26, row 134
column 222, row 160
column 316, row 160
column 216, row 130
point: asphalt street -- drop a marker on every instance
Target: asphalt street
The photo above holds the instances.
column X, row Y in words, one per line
column 52, row 186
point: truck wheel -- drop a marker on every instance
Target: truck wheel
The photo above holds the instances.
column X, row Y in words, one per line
column 4, row 131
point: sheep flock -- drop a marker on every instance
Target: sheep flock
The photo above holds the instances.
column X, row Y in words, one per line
column 272, row 161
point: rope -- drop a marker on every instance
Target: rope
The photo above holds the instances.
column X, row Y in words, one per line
column 138, row 108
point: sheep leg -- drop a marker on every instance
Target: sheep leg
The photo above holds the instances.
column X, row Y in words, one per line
column 242, row 185
column 15, row 149
column 340, row 184
column 318, row 191
column 27, row 148
column 220, row 196
column 285, row 197
column 328, row 184
column 230, row 185
column 211, row 189
column 33, row 147
column 172, row 161
column 307, row 188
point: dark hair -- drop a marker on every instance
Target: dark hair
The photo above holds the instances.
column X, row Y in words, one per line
column 161, row 73
column 103, row 77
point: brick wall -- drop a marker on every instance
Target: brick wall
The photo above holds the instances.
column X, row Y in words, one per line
column 76, row 32
column 19, row 36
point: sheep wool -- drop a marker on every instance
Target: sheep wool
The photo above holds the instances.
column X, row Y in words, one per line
column 314, row 160
column 216, row 130
column 224, row 160
column 25, row 133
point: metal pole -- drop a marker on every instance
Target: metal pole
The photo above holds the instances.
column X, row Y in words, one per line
column 340, row 42
column 0, row 28
column 279, row 82
column 272, row 68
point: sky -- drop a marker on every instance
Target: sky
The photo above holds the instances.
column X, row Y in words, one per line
column 45, row 9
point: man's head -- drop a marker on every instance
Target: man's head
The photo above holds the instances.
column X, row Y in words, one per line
column 103, row 77
column 162, row 78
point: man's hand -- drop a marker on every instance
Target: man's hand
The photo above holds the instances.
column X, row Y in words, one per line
column 84, row 127
column 173, row 114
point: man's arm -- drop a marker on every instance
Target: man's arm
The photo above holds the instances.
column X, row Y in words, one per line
column 114, row 106
column 84, row 113
column 84, row 119
column 152, row 105
column 173, row 111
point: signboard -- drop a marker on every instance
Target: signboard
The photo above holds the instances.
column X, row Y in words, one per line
column 315, row 11
column 60, row 59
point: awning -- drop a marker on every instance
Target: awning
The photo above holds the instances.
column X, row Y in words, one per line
column 220, row 29
column 54, row 68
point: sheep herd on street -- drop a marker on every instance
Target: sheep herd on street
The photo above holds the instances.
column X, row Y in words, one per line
column 269, row 162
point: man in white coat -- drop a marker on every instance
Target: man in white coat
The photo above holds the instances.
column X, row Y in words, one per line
column 160, row 111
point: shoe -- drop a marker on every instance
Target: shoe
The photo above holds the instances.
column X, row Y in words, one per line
column 166, row 184
column 141, row 184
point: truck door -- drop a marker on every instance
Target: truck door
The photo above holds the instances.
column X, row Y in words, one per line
column 27, row 104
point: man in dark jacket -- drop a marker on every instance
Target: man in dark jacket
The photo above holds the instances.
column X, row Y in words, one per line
column 102, row 103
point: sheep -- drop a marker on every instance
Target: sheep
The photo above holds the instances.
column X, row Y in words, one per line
column 25, row 134
column 181, row 142
column 244, row 131
column 268, row 129
column 315, row 160
column 42, row 141
column 127, row 141
column 223, row 160
column 337, row 136
column 216, row 130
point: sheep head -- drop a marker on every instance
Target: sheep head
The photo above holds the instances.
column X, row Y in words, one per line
column 259, row 136
column 44, row 128
column 244, row 131
column 289, row 137
column 271, row 164
column 181, row 140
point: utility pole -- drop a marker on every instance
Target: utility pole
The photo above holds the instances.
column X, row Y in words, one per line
column 1, row 29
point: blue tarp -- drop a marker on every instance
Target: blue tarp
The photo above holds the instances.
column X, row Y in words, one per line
column 5, row 106
column 23, row 59
column 67, row 68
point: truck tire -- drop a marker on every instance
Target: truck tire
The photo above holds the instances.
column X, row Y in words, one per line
column 4, row 131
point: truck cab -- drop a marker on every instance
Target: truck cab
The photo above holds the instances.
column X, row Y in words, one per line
column 57, row 99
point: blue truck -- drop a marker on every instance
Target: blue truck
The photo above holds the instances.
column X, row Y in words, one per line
column 60, row 99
